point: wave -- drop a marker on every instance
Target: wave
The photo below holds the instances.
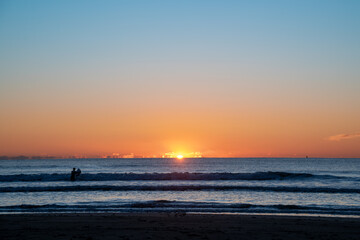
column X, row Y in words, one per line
column 182, row 206
column 81, row 188
column 261, row 176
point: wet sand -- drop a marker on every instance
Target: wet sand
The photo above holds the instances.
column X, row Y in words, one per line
column 174, row 226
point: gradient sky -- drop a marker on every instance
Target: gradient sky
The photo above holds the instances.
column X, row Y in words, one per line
column 224, row 78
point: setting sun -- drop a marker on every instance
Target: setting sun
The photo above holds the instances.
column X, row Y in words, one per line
column 179, row 156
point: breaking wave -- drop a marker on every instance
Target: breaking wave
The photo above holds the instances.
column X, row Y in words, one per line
column 181, row 206
column 261, row 176
column 80, row 188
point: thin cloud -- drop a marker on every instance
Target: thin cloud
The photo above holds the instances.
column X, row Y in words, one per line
column 340, row 137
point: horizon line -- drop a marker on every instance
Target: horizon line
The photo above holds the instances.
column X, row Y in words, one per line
column 23, row 157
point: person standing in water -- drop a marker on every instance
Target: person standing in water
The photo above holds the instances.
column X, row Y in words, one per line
column 73, row 174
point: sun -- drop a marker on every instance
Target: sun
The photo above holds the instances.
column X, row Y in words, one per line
column 179, row 156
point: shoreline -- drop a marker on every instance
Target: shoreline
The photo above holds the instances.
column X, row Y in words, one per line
column 92, row 226
column 310, row 215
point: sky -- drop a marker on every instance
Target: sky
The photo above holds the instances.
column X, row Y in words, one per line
column 220, row 78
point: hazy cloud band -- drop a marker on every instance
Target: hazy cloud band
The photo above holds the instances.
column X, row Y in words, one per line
column 340, row 137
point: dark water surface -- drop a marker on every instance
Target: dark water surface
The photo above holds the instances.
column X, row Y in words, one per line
column 223, row 185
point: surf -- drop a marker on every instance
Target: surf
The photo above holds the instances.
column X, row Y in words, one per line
column 260, row 176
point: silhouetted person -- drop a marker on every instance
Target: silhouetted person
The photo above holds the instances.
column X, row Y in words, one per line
column 78, row 172
column 73, row 174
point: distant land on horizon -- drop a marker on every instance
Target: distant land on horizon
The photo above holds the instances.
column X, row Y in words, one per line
column 23, row 157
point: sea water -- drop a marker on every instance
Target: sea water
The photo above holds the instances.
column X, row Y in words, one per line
column 211, row 185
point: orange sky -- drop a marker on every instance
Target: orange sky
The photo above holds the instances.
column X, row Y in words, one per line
column 214, row 127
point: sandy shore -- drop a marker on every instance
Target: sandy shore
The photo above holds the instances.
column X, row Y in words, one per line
column 171, row 226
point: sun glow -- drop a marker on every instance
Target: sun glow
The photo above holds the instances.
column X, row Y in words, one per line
column 181, row 155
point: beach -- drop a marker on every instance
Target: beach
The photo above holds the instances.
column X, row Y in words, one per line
column 93, row 226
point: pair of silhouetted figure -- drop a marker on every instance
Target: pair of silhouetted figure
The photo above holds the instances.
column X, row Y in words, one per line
column 75, row 174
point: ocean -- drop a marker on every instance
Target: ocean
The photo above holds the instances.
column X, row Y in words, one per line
column 203, row 185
